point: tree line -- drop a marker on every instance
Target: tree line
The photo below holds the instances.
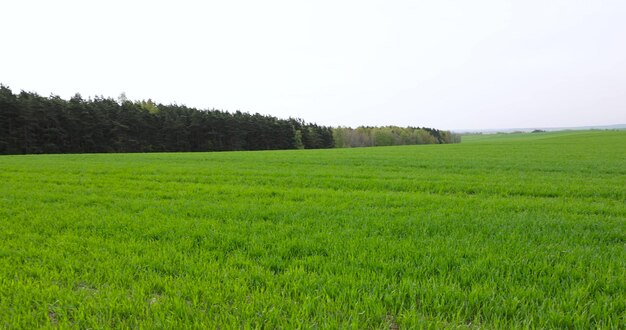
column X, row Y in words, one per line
column 346, row 137
column 30, row 124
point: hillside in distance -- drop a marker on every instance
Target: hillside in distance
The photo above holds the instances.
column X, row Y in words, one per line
column 548, row 129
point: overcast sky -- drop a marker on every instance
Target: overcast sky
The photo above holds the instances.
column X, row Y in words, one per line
column 443, row 64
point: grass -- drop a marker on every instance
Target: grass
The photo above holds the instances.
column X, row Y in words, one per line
column 501, row 231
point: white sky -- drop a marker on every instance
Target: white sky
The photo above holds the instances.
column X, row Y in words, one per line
column 441, row 63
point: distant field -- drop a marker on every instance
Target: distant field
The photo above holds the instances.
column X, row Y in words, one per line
column 500, row 231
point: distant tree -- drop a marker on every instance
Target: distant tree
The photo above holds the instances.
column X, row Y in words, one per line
column 298, row 139
column 9, row 121
column 149, row 106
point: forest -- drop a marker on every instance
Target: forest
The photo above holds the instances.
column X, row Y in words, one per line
column 34, row 124
column 346, row 137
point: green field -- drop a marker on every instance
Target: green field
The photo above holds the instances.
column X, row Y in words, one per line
column 500, row 231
